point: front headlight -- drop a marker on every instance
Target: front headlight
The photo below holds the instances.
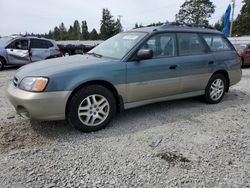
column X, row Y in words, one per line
column 36, row 84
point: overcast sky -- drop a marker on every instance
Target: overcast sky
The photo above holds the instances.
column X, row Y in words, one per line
column 39, row 16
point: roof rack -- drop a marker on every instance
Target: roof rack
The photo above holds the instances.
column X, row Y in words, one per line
column 186, row 25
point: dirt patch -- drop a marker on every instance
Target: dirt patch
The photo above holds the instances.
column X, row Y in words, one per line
column 14, row 137
column 173, row 158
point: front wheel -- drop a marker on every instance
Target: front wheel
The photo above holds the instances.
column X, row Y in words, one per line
column 1, row 64
column 215, row 89
column 91, row 108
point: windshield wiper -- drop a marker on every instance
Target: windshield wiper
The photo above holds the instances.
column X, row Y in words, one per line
column 95, row 54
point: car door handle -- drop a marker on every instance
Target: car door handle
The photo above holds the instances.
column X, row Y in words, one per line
column 173, row 67
column 211, row 62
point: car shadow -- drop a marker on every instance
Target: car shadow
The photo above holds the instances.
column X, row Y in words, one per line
column 142, row 118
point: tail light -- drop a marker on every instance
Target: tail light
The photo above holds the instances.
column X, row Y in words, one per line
column 58, row 50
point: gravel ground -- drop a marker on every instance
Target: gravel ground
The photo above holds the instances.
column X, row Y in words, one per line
column 182, row 143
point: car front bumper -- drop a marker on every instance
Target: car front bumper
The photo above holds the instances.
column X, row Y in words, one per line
column 39, row 106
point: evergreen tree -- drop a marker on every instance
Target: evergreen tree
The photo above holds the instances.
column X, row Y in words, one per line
column 118, row 26
column 77, row 30
column 85, row 33
column 62, row 31
column 56, row 33
column 219, row 25
column 71, row 33
column 195, row 12
column 93, row 35
column 242, row 22
column 136, row 25
column 107, row 25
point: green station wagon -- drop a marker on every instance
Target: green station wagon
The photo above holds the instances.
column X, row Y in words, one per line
column 131, row 69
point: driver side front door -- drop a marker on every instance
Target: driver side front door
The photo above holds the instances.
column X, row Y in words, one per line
column 152, row 79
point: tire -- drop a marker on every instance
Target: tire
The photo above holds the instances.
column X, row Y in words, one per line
column 85, row 114
column 242, row 63
column 215, row 89
column 2, row 63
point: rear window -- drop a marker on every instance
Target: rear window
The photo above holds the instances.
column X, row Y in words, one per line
column 217, row 42
column 190, row 44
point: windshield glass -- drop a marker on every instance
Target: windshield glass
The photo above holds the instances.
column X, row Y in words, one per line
column 4, row 41
column 119, row 45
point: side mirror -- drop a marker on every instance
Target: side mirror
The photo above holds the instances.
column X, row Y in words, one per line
column 144, row 54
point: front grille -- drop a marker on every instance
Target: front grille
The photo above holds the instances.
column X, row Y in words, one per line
column 15, row 82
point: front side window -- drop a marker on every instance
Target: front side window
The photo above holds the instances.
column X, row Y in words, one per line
column 21, row 44
column 216, row 42
column 36, row 43
column 190, row 44
column 119, row 45
column 162, row 45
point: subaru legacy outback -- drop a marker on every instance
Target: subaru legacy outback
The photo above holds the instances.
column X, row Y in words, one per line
column 131, row 69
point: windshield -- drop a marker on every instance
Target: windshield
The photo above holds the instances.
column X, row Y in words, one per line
column 4, row 41
column 119, row 45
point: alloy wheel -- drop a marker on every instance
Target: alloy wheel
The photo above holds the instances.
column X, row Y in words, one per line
column 217, row 89
column 93, row 110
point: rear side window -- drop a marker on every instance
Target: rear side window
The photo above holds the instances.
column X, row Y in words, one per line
column 190, row 44
column 49, row 44
column 162, row 45
column 217, row 43
column 36, row 43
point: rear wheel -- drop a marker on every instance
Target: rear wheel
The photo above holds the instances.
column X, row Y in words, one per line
column 215, row 89
column 91, row 108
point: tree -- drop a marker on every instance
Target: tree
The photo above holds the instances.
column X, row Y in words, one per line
column 56, row 33
column 107, row 29
column 62, row 31
column 85, row 33
column 117, row 26
column 77, row 30
column 195, row 12
column 242, row 22
column 93, row 35
column 71, row 34
column 219, row 25
column 136, row 25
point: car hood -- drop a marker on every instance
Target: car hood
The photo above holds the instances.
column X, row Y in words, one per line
column 54, row 66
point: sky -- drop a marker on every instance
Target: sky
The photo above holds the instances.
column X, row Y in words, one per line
column 40, row 16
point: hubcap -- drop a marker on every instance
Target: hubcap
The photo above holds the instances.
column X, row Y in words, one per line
column 93, row 110
column 1, row 64
column 217, row 89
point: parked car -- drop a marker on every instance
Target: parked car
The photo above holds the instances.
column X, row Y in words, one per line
column 131, row 69
column 21, row 50
column 244, row 52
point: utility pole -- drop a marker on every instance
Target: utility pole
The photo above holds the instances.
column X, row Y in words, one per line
column 232, row 20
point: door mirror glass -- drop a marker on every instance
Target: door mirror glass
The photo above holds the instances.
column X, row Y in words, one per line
column 144, row 54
